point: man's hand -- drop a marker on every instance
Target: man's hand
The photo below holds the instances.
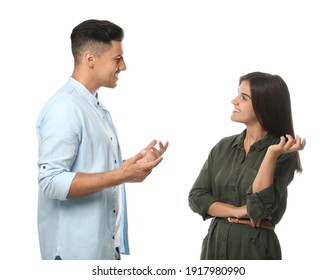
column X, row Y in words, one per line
column 137, row 168
column 152, row 153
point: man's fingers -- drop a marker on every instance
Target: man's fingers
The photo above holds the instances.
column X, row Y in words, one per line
column 151, row 145
column 137, row 156
column 158, row 152
column 155, row 162
column 165, row 146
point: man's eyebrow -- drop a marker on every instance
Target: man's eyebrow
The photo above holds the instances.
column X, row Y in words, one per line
column 119, row 56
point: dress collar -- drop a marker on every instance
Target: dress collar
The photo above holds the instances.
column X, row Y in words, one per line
column 266, row 141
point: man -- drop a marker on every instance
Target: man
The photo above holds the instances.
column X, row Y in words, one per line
column 82, row 204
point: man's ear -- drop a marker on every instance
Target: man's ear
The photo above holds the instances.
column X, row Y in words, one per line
column 89, row 59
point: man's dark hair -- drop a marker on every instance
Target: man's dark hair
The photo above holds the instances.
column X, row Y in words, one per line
column 94, row 33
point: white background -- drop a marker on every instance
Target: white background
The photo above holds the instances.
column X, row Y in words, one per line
column 184, row 60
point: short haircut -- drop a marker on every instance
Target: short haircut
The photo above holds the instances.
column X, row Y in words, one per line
column 95, row 35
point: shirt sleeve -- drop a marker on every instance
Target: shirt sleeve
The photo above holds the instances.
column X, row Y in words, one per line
column 272, row 201
column 58, row 132
column 200, row 196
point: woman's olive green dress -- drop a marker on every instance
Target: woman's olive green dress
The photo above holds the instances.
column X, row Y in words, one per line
column 227, row 176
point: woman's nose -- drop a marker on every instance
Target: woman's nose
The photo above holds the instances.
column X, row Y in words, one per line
column 234, row 101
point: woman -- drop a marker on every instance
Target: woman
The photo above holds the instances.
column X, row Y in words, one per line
column 243, row 184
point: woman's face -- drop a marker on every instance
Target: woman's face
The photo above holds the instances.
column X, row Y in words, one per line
column 243, row 110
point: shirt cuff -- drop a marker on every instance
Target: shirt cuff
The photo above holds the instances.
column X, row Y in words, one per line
column 58, row 187
column 259, row 204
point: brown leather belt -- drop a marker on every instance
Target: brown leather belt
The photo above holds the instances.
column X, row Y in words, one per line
column 264, row 224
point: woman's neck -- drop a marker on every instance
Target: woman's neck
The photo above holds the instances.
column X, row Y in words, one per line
column 252, row 136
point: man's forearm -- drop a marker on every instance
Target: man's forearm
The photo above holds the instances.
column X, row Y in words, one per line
column 85, row 184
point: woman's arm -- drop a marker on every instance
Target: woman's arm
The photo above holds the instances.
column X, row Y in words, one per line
column 265, row 175
column 224, row 210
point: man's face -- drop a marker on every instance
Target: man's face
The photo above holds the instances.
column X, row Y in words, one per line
column 109, row 64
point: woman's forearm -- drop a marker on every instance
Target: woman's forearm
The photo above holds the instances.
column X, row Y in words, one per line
column 265, row 175
column 224, row 210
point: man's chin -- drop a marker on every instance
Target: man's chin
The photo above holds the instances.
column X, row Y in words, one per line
column 112, row 85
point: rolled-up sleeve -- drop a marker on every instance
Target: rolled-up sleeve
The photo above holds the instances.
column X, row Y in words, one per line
column 272, row 201
column 200, row 196
column 59, row 135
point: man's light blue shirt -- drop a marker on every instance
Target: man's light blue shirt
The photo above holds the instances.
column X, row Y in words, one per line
column 73, row 138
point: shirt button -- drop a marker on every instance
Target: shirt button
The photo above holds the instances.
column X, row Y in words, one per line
column 114, row 211
column 115, row 161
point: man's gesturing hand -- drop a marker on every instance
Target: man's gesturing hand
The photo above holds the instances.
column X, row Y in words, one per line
column 152, row 153
column 138, row 167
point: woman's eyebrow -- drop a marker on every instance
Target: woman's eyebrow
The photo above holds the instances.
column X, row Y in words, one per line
column 245, row 94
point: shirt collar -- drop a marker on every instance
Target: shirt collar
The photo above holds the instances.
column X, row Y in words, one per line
column 80, row 88
column 266, row 141
column 239, row 140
